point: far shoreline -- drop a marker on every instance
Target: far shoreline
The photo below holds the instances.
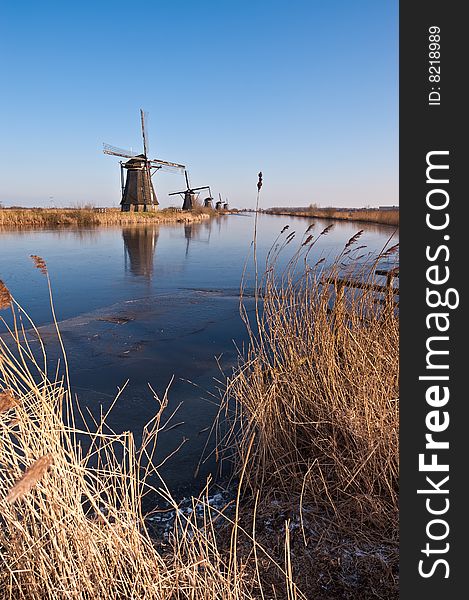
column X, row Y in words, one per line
column 366, row 215
column 37, row 217
column 29, row 218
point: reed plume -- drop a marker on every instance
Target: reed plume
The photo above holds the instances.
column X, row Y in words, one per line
column 29, row 479
column 5, row 296
column 7, row 402
column 39, row 263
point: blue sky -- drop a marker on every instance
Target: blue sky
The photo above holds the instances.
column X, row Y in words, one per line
column 306, row 91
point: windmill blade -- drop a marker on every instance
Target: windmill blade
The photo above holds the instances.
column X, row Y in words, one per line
column 165, row 165
column 165, row 168
column 143, row 116
column 114, row 151
column 176, row 193
column 204, row 187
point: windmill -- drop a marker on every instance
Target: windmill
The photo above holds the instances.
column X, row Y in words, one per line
column 138, row 189
column 191, row 195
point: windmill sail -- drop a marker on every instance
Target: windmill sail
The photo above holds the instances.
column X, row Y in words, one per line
column 114, row 151
column 165, row 165
column 144, row 134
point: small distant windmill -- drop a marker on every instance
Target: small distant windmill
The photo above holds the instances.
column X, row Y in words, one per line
column 191, row 195
column 138, row 189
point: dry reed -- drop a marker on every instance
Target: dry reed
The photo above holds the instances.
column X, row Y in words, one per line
column 319, row 388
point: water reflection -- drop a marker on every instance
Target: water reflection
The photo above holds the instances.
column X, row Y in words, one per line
column 139, row 249
column 199, row 232
column 140, row 245
column 89, row 271
column 157, row 314
column 188, row 236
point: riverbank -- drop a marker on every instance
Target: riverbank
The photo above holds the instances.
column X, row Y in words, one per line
column 89, row 217
column 369, row 215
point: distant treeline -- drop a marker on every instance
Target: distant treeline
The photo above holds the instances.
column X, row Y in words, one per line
column 386, row 215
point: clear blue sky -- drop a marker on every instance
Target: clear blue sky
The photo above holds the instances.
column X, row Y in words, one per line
column 306, row 91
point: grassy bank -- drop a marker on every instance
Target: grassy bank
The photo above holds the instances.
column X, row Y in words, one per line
column 371, row 215
column 313, row 403
column 83, row 217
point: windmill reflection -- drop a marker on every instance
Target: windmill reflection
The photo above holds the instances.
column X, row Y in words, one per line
column 200, row 232
column 139, row 249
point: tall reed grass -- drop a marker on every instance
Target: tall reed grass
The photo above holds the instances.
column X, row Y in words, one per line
column 316, row 413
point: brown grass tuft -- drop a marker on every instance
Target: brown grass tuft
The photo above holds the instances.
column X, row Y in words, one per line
column 30, row 477
column 5, row 296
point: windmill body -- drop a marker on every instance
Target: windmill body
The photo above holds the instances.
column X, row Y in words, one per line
column 190, row 200
column 138, row 190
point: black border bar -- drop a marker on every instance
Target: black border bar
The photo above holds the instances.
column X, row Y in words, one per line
column 434, row 235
